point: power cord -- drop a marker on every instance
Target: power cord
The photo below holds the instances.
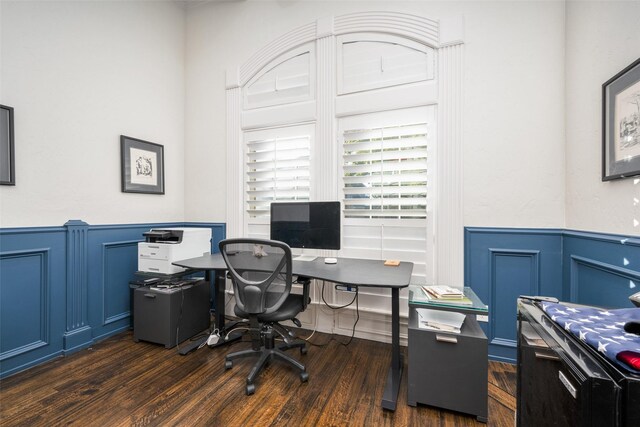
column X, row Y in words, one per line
column 353, row 331
column 355, row 297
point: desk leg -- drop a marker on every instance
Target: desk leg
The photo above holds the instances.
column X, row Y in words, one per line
column 219, row 285
column 391, row 390
column 219, row 288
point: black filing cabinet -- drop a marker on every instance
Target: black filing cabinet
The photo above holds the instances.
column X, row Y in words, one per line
column 161, row 315
column 448, row 370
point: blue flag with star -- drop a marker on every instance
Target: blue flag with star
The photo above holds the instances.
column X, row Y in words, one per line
column 601, row 329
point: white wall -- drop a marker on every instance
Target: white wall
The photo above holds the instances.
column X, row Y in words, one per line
column 80, row 74
column 513, row 106
column 602, row 39
column 514, row 115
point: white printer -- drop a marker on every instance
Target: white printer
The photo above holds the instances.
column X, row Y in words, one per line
column 167, row 245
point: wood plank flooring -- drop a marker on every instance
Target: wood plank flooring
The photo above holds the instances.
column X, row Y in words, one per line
column 121, row 383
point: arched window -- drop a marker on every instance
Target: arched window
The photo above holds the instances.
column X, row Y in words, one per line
column 363, row 108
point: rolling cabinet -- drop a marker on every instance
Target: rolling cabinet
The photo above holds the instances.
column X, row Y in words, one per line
column 169, row 316
column 445, row 369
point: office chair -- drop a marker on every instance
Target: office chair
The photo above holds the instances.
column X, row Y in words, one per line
column 261, row 274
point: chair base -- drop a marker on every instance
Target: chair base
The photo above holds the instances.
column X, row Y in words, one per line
column 265, row 355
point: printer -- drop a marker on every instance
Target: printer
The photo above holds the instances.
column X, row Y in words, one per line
column 164, row 246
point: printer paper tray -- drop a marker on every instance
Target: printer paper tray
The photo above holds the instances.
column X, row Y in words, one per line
column 158, row 266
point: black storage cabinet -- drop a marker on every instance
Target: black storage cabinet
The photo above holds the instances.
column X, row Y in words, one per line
column 171, row 316
column 563, row 382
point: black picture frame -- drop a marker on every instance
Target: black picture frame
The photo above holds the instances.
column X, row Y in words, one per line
column 142, row 166
column 7, row 146
column 621, row 124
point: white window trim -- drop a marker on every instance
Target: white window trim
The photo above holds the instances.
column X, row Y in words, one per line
column 446, row 36
column 309, row 49
column 381, row 38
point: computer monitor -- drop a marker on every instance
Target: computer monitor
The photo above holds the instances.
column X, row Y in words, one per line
column 308, row 225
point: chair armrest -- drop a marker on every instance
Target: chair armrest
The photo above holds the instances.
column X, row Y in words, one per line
column 305, row 282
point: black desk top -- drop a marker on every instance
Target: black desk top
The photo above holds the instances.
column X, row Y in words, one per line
column 347, row 271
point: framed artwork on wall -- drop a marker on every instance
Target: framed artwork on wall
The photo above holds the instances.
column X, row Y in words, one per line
column 621, row 124
column 7, row 143
column 142, row 166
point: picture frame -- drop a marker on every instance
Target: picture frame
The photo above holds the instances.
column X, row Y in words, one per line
column 621, row 124
column 142, row 166
column 7, row 146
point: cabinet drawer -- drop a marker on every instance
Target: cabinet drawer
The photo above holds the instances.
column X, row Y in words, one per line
column 448, row 370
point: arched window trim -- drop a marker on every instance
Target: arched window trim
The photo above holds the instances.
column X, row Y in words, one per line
column 379, row 38
column 306, row 49
column 446, row 37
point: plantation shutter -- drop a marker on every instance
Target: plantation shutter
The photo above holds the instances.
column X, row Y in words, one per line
column 277, row 168
column 385, row 172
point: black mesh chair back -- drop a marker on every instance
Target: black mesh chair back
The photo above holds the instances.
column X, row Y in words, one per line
column 260, row 271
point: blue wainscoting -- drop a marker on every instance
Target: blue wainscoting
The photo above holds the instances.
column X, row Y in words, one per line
column 581, row 267
column 32, row 296
column 500, row 265
column 64, row 288
column 600, row 269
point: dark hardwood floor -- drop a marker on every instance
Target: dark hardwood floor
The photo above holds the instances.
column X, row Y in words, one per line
column 118, row 383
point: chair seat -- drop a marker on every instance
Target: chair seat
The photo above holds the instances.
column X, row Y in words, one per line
column 288, row 310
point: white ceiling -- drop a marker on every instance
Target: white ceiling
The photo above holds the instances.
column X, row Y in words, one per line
column 194, row 3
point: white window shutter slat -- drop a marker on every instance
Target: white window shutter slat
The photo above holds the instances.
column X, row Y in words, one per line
column 385, row 171
column 277, row 168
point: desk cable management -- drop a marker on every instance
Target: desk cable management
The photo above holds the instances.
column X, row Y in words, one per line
column 353, row 331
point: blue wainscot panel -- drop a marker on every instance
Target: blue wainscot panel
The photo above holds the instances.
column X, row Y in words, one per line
column 600, row 269
column 502, row 264
column 32, row 296
column 63, row 288
column 580, row 267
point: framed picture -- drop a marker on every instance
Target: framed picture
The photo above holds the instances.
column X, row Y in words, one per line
column 142, row 166
column 621, row 124
column 7, row 155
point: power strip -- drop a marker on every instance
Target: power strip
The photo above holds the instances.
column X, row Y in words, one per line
column 344, row 288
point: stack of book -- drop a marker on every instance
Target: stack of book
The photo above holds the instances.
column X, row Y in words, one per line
column 444, row 321
column 446, row 295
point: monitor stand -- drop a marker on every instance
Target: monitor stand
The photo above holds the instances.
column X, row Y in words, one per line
column 305, row 258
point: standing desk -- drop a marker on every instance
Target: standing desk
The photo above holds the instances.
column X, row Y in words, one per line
column 347, row 271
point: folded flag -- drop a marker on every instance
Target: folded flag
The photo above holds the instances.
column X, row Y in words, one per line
column 603, row 330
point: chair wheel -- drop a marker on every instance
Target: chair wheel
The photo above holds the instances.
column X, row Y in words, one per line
column 228, row 364
column 303, row 350
column 304, row 377
column 251, row 388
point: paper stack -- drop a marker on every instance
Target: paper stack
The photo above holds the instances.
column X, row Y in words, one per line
column 436, row 320
column 443, row 292
column 446, row 295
